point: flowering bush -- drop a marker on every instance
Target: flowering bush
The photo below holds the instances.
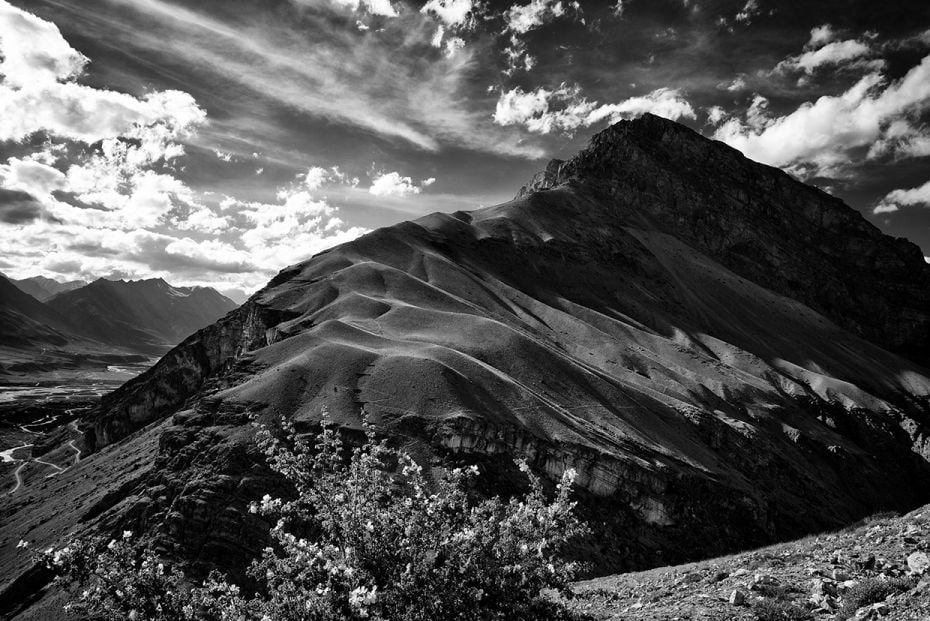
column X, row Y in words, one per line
column 377, row 540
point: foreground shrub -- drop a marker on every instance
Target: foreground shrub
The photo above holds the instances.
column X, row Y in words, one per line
column 778, row 609
column 367, row 536
column 871, row 591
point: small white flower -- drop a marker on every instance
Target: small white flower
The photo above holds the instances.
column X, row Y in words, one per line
column 22, row 544
column 127, row 534
column 370, row 527
column 570, row 475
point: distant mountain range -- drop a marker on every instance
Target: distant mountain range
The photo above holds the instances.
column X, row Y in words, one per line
column 144, row 315
column 42, row 288
column 101, row 318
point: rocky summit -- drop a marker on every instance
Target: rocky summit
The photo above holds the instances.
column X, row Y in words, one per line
column 728, row 358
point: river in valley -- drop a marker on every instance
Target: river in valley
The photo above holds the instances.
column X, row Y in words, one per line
column 39, row 417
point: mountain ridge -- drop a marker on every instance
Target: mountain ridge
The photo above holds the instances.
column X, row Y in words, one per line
column 149, row 314
column 43, row 288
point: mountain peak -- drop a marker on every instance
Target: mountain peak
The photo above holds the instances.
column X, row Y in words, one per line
column 756, row 220
column 612, row 150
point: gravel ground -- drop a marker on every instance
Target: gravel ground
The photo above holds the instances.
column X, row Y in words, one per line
column 878, row 569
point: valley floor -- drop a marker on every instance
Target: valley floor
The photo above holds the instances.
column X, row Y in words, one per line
column 876, row 569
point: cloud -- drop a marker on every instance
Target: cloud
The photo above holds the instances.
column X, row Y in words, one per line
column 523, row 18
column 821, row 35
column 817, row 137
column 375, row 7
column 33, row 51
column 715, row 114
column 38, row 92
column 18, row 207
column 565, row 109
column 86, row 114
column 210, row 254
column 832, row 54
column 898, row 198
column 738, row 84
column 382, row 82
column 393, row 184
column 291, row 230
column 901, row 139
column 749, row 10
column 31, row 176
column 450, row 12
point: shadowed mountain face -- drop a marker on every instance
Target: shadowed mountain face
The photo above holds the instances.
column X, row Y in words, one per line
column 26, row 322
column 725, row 355
column 144, row 315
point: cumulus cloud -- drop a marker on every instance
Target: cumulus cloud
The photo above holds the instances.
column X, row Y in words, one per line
column 523, row 18
column 86, row 114
column 32, row 176
column 292, row 229
column 393, row 184
column 898, row 198
column 450, row 12
column 821, row 35
column 38, row 92
column 33, row 51
column 565, row 109
column 817, row 137
column 317, row 177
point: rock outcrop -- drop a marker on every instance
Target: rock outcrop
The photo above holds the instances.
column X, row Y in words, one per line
column 726, row 356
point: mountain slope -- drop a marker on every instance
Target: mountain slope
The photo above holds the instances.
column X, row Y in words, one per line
column 25, row 321
column 146, row 315
column 42, row 288
column 646, row 314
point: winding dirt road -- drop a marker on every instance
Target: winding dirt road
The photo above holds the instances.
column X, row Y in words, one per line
column 7, row 456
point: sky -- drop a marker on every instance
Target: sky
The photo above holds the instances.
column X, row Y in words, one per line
column 215, row 142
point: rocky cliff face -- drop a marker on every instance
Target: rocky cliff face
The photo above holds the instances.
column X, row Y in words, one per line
column 726, row 356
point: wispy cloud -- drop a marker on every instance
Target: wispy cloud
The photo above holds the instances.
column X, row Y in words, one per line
column 390, row 82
